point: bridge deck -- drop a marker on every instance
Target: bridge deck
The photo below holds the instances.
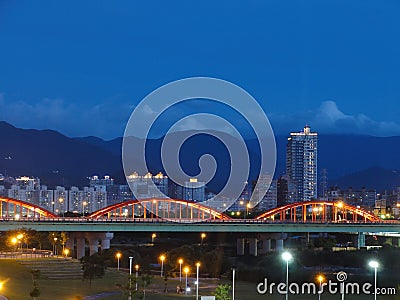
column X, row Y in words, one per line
column 158, row 225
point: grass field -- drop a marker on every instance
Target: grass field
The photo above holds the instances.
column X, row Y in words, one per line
column 19, row 285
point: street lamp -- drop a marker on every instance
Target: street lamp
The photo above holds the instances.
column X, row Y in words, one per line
column 130, row 277
column 203, row 236
column 66, row 252
column 248, row 206
column 233, row 283
column 186, row 270
column 375, row 265
column 14, row 241
column 54, row 246
column 197, row 280
column 320, row 280
column 118, row 256
column 286, row 256
column 180, row 261
column 153, row 236
column 19, row 238
column 162, row 258
column 137, row 273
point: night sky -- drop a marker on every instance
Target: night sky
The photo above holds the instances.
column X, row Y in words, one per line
column 81, row 68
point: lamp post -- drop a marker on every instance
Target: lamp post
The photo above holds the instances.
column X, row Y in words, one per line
column 162, row 258
column 375, row 265
column 320, row 279
column 197, row 280
column 233, row 283
column 130, row 277
column 186, row 270
column 54, row 246
column 137, row 274
column 180, row 261
column 203, row 236
column 118, row 256
column 247, row 209
column 153, row 236
column 286, row 256
column 66, row 252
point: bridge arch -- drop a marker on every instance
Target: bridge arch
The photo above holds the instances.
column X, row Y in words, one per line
column 319, row 211
column 13, row 208
column 164, row 208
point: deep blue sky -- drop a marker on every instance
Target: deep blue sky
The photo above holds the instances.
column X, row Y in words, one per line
column 81, row 68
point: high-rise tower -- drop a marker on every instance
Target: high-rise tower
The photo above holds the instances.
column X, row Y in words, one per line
column 301, row 162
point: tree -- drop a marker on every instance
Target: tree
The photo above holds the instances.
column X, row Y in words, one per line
column 93, row 267
column 146, row 280
column 35, row 292
column 63, row 240
column 223, row 292
column 130, row 288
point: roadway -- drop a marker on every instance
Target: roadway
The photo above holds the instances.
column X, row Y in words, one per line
column 159, row 225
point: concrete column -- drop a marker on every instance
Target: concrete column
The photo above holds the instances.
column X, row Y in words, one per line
column 253, row 247
column 80, row 247
column 93, row 245
column 240, row 246
column 360, row 240
column 267, row 246
column 396, row 242
column 105, row 240
column 279, row 245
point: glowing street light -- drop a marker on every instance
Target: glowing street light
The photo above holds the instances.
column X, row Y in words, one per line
column 286, row 256
column 197, row 280
column 137, row 273
column 153, row 236
column 180, row 261
column 375, row 265
column 54, row 245
column 162, row 258
column 118, row 255
column 186, row 270
column 66, row 252
column 84, row 203
column 320, row 280
column 203, row 236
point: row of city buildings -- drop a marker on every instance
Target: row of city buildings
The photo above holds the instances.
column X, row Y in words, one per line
column 300, row 183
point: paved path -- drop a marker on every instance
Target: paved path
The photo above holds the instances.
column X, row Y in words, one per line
column 99, row 296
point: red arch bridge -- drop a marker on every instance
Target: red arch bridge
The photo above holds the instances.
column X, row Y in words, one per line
column 170, row 215
column 185, row 211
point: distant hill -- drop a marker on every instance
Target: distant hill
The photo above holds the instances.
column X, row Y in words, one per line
column 53, row 157
column 351, row 160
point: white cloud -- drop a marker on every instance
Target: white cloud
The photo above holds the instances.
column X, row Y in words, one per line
column 328, row 118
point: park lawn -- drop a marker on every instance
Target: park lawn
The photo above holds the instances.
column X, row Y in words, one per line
column 19, row 283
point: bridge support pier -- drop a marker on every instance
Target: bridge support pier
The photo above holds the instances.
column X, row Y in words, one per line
column 105, row 241
column 80, row 247
column 253, row 247
column 240, row 247
column 279, row 245
column 93, row 245
column 360, row 240
column 93, row 237
column 266, row 246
